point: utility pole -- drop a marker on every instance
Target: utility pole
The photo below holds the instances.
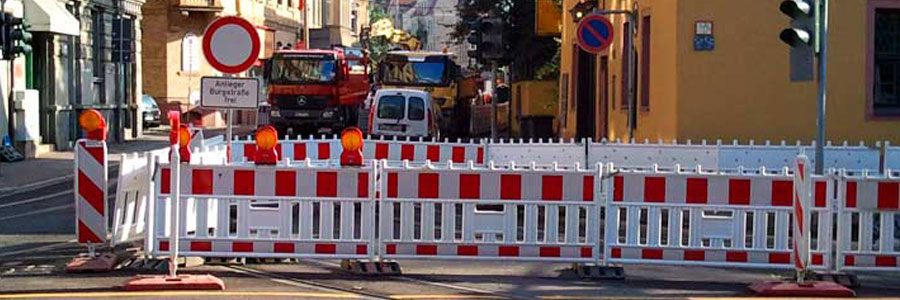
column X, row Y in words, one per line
column 808, row 38
column 490, row 89
column 822, row 24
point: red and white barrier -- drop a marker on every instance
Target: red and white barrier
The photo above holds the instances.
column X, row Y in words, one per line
column 315, row 150
column 397, row 151
column 391, row 150
column 133, row 196
column 269, row 212
column 485, row 213
column 91, row 193
column 710, row 219
column 869, row 223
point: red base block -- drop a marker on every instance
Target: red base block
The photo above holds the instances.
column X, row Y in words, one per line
column 182, row 282
column 103, row 263
column 807, row 289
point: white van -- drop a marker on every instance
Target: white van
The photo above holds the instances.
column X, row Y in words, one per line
column 404, row 112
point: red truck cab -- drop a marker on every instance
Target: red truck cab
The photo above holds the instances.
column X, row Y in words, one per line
column 314, row 91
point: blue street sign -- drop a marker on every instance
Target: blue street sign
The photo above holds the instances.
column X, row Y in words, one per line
column 595, row 33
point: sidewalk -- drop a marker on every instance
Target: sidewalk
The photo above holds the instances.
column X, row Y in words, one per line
column 55, row 167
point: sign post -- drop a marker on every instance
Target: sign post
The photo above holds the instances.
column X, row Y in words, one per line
column 230, row 45
column 595, row 34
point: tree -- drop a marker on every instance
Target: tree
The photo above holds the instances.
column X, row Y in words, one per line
column 527, row 52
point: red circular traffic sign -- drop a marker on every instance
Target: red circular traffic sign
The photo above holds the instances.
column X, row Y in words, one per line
column 231, row 44
column 595, row 33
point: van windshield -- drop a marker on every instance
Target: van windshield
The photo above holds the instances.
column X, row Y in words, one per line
column 391, row 107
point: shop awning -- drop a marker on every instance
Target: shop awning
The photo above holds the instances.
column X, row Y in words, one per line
column 50, row 16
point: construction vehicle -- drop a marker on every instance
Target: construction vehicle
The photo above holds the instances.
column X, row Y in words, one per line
column 385, row 28
column 438, row 74
column 316, row 91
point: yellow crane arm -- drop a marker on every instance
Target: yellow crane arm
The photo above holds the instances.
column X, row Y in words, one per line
column 385, row 28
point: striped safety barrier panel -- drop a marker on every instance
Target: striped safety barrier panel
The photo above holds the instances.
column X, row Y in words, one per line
column 287, row 212
column 869, row 223
column 483, row 213
column 711, row 219
column 91, row 208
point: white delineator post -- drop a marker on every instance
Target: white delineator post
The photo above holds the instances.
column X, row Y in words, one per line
column 800, row 226
column 91, row 183
column 175, row 165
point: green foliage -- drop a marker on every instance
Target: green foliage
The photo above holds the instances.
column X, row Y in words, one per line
column 378, row 46
column 550, row 70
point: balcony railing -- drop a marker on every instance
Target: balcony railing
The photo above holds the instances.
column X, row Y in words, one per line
column 198, row 5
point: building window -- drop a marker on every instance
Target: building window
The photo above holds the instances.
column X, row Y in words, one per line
column 645, row 63
column 354, row 15
column 190, row 53
column 326, row 11
column 97, row 41
column 886, row 97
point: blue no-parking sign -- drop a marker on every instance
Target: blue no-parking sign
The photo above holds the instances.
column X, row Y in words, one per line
column 595, row 33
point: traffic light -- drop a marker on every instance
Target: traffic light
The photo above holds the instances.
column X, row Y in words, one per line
column 800, row 36
column 492, row 46
column 16, row 37
column 474, row 40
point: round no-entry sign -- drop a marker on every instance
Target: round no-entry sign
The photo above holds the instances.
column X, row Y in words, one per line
column 595, row 33
column 231, row 44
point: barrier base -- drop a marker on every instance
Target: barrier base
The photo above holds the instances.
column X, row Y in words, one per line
column 181, row 282
column 595, row 272
column 225, row 261
column 793, row 289
column 371, row 267
column 102, row 263
column 845, row 279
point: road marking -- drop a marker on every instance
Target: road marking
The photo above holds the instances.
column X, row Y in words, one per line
column 177, row 294
column 35, row 185
column 301, row 283
column 37, row 212
column 484, row 293
column 38, row 249
column 445, row 296
column 41, row 198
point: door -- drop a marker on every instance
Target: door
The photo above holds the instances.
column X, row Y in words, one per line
column 603, row 107
column 585, row 94
column 390, row 115
column 416, row 125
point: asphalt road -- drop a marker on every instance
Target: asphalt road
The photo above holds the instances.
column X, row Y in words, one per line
column 37, row 239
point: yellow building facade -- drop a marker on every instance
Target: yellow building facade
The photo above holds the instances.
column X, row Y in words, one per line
column 740, row 89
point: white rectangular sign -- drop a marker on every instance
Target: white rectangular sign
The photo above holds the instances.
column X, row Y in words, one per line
column 226, row 92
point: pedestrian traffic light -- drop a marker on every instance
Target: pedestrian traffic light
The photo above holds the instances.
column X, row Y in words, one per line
column 800, row 36
column 15, row 35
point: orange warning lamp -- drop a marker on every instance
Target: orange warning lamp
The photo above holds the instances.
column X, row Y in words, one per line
column 180, row 135
column 174, row 123
column 184, row 143
column 266, row 141
column 93, row 124
column 352, row 141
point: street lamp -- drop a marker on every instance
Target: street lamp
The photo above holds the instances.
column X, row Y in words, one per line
column 582, row 9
